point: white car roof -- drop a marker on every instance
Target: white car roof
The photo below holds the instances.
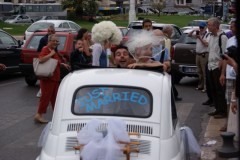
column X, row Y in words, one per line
column 55, row 22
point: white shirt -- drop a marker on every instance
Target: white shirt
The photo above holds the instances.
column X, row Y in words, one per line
column 200, row 48
column 214, row 50
column 231, row 42
column 97, row 51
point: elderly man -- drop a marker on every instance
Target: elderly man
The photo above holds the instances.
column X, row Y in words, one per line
column 167, row 31
column 218, row 42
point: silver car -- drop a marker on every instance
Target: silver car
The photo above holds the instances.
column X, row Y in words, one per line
column 19, row 19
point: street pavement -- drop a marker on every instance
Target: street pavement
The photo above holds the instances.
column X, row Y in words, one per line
column 212, row 134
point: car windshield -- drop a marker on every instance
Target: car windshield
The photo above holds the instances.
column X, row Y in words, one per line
column 38, row 26
column 6, row 39
column 112, row 100
column 34, row 42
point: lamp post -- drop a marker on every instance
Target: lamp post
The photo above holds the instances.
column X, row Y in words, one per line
column 132, row 12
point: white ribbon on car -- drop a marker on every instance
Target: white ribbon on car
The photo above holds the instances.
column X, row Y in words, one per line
column 103, row 145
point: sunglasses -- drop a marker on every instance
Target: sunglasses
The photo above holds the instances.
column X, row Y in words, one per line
column 201, row 27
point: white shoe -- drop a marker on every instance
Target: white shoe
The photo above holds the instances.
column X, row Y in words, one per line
column 39, row 93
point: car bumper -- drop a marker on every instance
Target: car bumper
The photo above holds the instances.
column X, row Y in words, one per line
column 188, row 70
column 185, row 70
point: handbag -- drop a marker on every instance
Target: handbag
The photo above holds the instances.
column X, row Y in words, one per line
column 45, row 69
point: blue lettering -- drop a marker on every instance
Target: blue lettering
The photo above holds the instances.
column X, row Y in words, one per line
column 125, row 96
column 107, row 99
column 103, row 89
column 79, row 102
column 116, row 97
column 89, row 107
column 101, row 102
column 134, row 97
column 96, row 93
column 90, row 97
column 142, row 100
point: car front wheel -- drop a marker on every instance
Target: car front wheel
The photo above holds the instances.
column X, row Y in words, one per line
column 31, row 80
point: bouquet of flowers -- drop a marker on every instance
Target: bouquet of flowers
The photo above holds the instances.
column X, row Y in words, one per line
column 106, row 31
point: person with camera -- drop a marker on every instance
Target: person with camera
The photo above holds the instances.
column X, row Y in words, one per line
column 227, row 78
column 202, row 38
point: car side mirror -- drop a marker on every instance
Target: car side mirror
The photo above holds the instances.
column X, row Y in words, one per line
column 20, row 43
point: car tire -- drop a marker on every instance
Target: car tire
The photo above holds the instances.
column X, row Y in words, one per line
column 31, row 80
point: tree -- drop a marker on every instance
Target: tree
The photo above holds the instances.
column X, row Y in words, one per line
column 158, row 6
column 81, row 7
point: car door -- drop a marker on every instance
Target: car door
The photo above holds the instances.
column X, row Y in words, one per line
column 19, row 19
column 9, row 51
column 26, row 19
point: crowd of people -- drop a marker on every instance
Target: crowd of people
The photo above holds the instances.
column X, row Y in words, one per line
column 96, row 49
column 216, row 61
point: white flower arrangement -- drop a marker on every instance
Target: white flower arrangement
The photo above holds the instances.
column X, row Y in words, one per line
column 106, row 30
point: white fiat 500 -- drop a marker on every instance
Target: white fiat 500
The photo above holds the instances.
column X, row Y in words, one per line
column 140, row 98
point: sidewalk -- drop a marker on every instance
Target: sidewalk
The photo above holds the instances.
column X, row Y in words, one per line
column 212, row 140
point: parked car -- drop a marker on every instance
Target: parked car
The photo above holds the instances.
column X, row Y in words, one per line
column 147, row 108
column 188, row 29
column 184, row 58
column 45, row 18
column 196, row 22
column 10, row 50
column 225, row 27
column 134, row 23
column 19, row 19
column 29, row 51
column 123, row 30
column 137, row 28
column 44, row 24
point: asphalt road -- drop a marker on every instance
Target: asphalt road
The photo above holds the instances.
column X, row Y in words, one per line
column 18, row 103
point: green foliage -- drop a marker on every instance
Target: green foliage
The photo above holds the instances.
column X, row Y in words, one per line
column 81, row 7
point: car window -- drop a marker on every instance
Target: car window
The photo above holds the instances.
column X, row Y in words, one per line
column 176, row 33
column 34, row 42
column 124, row 31
column 187, row 40
column 62, row 42
column 74, row 26
column 61, row 25
column 7, row 40
column 112, row 100
column 25, row 17
column 38, row 26
column 65, row 25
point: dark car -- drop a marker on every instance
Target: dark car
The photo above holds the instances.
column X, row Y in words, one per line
column 10, row 50
column 183, row 58
column 29, row 51
column 138, row 26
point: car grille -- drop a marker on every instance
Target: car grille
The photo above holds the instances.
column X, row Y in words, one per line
column 144, row 130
